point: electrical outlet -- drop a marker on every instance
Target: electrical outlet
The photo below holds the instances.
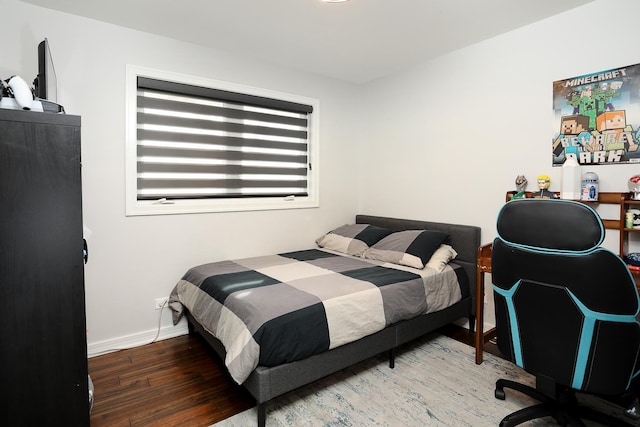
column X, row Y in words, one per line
column 161, row 302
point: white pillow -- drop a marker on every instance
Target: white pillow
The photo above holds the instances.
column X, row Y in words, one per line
column 441, row 257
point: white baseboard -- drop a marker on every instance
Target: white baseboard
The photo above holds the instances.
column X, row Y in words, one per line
column 136, row 340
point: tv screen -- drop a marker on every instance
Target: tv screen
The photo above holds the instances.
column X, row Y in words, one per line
column 46, row 84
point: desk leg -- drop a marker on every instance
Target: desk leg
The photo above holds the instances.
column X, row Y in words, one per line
column 479, row 315
column 481, row 335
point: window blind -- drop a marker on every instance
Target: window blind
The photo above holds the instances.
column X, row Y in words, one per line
column 195, row 142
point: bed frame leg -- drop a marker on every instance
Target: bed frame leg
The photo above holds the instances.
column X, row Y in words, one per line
column 262, row 414
column 472, row 323
column 392, row 358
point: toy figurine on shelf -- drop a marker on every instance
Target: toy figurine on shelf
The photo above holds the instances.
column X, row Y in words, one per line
column 543, row 184
column 521, row 186
column 634, row 187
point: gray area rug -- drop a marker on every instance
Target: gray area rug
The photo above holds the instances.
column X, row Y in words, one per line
column 435, row 382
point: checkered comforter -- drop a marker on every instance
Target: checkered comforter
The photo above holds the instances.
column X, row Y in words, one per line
column 275, row 309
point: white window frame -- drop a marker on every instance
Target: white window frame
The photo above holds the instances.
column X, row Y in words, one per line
column 188, row 206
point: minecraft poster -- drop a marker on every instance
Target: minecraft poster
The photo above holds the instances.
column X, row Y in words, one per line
column 596, row 117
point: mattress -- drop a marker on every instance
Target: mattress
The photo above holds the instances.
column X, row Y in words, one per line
column 274, row 309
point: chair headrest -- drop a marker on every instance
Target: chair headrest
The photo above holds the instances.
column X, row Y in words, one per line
column 550, row 224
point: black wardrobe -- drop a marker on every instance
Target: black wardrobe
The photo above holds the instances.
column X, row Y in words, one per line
column 43, row 347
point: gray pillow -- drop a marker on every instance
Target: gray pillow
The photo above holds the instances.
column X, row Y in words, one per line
column 352, row 239
column 412, row 248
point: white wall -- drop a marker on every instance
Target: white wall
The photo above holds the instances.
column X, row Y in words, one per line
column 133, row 260
column 441, row 141
column 446, row 139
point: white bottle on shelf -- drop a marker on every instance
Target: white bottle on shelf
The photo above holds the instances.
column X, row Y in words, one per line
column 571, row 178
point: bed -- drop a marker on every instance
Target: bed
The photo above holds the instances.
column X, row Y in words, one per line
column 397, row 293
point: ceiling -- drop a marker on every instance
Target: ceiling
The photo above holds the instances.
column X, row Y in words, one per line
column 357, row 41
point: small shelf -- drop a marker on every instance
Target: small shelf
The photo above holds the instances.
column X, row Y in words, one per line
column 612, row 223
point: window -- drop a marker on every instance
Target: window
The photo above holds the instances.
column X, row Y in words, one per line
column 197, row 145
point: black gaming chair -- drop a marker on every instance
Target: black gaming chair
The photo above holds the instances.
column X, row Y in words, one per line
column 567, row 311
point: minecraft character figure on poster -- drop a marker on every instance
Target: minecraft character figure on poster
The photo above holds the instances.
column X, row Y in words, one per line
column 613, row 133
column 585, row 104
column 604, row 95
column 543, row 184
column 574, row 136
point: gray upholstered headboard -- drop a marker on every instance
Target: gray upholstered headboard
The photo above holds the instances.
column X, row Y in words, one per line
column 465, row 239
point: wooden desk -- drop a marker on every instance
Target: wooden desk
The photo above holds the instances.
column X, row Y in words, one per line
column 483, row 266
column 623, row 200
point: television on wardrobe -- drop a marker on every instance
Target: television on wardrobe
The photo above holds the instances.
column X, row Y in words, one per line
column 46, row 83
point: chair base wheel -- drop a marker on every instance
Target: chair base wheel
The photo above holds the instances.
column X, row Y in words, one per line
column 564, row 409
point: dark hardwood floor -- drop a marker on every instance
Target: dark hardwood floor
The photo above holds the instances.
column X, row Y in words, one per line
column 176, row 382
